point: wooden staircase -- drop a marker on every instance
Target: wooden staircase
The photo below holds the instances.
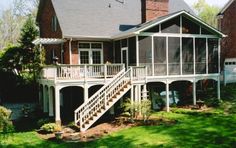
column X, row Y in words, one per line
column 93, row 108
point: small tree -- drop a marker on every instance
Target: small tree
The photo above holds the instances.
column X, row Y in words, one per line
column 132, row 108
column 146, row 110
column 28, row 33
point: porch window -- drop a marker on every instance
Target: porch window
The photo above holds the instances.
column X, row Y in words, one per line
column 190, row 27
column 154, row 29
column 160, row 56
column 174, row 55
column 171, row 26
column 200, row 46
column 145, row 52
column 187, row 55
column 212, row 55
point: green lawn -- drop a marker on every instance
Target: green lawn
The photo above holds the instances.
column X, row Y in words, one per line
column 216, row 128
column 191, row 130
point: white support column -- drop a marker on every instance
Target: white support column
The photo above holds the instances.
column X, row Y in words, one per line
column 153, row 62
column 194, row 93
column 45, row 99
column 50, row 96
column 194, row 56
column 137, row 51
column 144, row 92
column 218, row 88
column 57, row 105
column 207, row 60
column 167, row 97
column 85, row 92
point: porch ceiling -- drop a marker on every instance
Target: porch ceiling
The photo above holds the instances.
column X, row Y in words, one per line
column 49, row 41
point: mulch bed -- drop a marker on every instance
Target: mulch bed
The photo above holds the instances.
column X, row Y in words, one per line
column 96, row 132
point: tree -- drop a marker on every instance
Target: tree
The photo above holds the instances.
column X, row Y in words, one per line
column 207, row 12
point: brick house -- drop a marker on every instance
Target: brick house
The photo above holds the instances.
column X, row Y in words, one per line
column 226, row 24
column 109, row 50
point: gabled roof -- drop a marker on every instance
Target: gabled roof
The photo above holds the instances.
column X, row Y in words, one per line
column 226, row 6
column 150, row 24
column 102, row 18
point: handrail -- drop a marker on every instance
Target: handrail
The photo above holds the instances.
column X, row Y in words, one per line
column 100, row 98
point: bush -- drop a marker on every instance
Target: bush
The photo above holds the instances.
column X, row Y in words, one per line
column 5, row 123
column 51, row 127
column 43, row 121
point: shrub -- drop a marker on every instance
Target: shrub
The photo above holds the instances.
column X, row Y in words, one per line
column 43, row 121
column 146, row 110
column 5, row 123
column 51, row 127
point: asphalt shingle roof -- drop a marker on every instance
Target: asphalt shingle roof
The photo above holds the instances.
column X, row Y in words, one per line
column 102, row 18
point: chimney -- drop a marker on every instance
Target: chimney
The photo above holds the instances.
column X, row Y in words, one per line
column 152, row 9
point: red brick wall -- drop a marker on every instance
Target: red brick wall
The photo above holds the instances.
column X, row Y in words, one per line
column 152, row 9
column 44, row 21
column 228, row 27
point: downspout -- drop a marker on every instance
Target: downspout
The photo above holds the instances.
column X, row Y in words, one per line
column 70, row 54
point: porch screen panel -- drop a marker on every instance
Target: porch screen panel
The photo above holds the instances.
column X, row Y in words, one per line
column 174, row 55
column 171, row 26
column 117, row 52
column 187, row 55
column 132, row 51
column 145, row 52
column 212, row 55
column 160, row 64
column 189, row 27
column 200, row 46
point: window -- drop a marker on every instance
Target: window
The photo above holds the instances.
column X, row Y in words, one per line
column 171, row 26
column 84, row 57
column 54, row 23
column 145, row 52
column 174, row 55
column 90, row 53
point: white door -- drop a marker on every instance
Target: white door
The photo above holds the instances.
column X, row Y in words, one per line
column 124, row 56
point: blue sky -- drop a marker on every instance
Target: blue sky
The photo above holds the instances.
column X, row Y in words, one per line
column 4, row 4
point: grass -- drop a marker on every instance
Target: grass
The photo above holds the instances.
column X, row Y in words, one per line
column 214, row 129
column 191, row 130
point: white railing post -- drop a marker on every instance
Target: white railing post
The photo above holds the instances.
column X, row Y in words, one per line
column 55, row 73
column 105, row 72
column 145, row 74
column 85, row 73
column 131, row 75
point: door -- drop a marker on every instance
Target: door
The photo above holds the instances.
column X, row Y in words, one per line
column 124, row 56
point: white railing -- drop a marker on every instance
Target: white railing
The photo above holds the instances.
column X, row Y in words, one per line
column 86, row 113
column 139, row 73
column 81, row 71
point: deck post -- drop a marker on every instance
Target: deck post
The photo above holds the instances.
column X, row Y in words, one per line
column 194, row 92
column 57, row 105
column 85, row 91
column 167, row 97
column 50, row 100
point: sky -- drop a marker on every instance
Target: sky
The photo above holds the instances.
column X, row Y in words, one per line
column 4, row 4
